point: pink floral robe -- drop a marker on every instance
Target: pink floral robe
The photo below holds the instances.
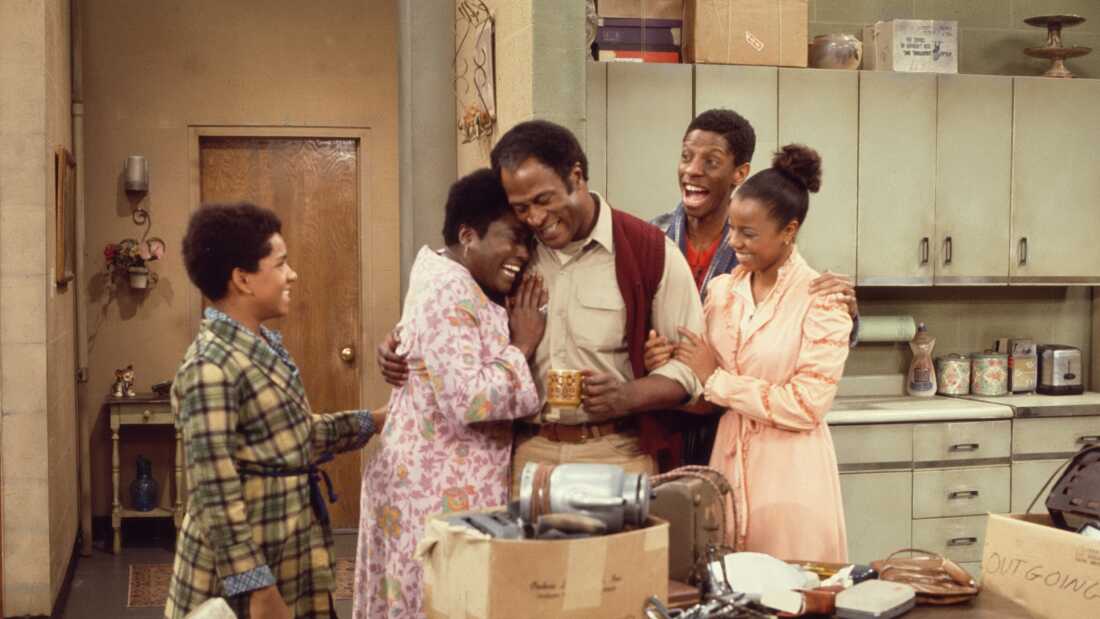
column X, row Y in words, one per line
column 447, row 443
column 779, row 366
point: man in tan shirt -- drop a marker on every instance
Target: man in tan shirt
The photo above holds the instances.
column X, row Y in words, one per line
column 545, row 174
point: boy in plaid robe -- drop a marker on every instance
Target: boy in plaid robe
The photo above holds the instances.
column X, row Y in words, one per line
column 256, row 530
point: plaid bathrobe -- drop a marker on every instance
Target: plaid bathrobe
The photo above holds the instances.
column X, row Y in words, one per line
column 240, row 404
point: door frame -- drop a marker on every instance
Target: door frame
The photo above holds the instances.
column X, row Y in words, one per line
column 369, row 261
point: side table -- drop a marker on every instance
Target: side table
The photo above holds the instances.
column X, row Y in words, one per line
column 146, row 409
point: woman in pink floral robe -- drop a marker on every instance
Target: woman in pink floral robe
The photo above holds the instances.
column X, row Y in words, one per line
column 448, row 439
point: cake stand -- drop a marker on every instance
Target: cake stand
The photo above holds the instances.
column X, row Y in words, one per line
column 1053, row 50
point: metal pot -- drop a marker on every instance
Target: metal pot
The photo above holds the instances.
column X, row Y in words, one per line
column 603, row 491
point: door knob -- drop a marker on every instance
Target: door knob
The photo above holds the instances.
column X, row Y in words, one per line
column 347, row 353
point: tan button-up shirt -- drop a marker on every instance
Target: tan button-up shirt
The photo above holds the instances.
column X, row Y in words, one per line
column 586, row 322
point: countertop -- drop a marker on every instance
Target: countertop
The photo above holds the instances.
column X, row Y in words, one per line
column 1038, row 405
column 899, row 409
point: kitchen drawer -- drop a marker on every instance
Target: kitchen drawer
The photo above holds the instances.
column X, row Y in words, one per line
column 958, row 539
column 1055, row 435
column 1027, row 478
column 973, row 491
column 972, row 440
column 881, row 445
column 145, row 415
column 876, row 513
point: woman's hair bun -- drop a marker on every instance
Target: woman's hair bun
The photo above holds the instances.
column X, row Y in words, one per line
column 801, row 164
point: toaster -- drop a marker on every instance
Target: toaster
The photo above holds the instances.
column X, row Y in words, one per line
column 1060, row 370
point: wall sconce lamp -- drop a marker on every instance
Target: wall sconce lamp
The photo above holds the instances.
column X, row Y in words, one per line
column 136, row 173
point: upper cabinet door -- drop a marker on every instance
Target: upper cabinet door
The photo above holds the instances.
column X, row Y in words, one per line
column 1055, row 182
column 897, row 164
column 648, row 108
column 749, row 91
column 820, row 108
column 973, row 179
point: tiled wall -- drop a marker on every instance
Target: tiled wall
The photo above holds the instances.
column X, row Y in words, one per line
column 992, row 33
column 967, row 320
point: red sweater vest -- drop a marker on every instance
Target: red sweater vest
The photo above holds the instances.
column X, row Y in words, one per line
column 639, row 263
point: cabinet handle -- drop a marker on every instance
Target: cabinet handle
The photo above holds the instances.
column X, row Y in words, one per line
column 1089, row 439
column 962, row 541
column 967, row 447
column 963, row 494
column 1023, row 250
column 924, row 251
column 947, row 247
column 146, row 415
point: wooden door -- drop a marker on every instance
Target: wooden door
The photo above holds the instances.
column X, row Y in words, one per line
column 897, row 165
column 973, row 179
column 1055, row 182
column 313, row 185
column 820, row 108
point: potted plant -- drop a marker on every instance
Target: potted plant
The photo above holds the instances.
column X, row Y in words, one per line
column 130, row 258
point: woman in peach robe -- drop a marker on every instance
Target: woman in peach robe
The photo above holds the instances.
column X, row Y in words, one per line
column 771, row 357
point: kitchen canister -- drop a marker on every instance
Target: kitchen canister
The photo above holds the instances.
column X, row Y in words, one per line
column 953, row 374
column 989, row 373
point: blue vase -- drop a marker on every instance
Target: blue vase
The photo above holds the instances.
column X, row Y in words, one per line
column 143, row 490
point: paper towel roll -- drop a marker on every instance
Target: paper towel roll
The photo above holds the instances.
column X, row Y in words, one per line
column 886, row 328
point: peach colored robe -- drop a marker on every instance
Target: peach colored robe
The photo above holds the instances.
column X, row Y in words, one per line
column 777, row 378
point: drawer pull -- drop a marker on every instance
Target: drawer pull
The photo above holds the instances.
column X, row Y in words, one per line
column 146, row 415
column 962, row 541
column 969, row 446
column 963, row 494
column 1089, row 439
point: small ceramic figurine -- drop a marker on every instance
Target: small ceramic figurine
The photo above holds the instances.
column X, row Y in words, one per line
column 124, row 383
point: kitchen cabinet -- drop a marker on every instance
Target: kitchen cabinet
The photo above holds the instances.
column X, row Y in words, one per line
column 897, row 164
column 648, row 108
column 922, row 485
column 973, row 179
column 752, row 92
column 1055, row 185
column 876, row 513
column 1039, row 447
column 820, row 108
column 928, row 179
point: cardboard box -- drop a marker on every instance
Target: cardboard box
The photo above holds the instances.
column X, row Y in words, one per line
column 759, row 32
column 469, row 575
column 1053, row 573
column 647, row 9
column 912, row 45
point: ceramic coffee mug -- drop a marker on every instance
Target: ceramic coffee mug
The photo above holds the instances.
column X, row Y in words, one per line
column 563, row 388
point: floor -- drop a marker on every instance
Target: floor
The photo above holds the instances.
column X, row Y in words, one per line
column 100, row 582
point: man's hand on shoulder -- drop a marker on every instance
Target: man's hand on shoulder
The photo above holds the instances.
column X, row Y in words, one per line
column 833, row 283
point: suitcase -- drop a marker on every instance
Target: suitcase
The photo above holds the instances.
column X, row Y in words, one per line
column 693, row 501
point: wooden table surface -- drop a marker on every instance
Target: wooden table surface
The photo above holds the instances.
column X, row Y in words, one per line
column 986, row 606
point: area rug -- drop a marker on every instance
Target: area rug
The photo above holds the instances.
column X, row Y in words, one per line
column 149, row 583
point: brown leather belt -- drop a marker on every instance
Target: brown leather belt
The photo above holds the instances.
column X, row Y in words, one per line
column 578, row 433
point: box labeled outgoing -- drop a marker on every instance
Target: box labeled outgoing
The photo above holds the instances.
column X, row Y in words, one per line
column 468, row 575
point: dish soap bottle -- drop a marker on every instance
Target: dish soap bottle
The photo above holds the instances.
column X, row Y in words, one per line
column 921, row 381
